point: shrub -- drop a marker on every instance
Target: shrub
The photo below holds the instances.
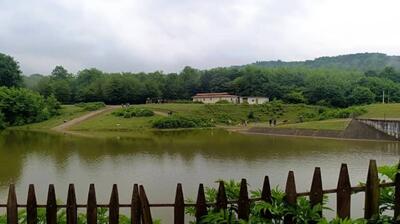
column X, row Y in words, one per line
column 92, row 106
column 21, row 106
column 181, row 122
column 133, row 112
column 187, row 102
column 223, row 102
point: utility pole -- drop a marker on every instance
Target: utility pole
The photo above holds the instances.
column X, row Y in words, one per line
column 383, row 97
column 388, row 97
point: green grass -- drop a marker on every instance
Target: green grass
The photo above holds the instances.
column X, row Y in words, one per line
column 391, row 110
column 333, row 124
column 236, row 113
column 68, row 112
column 109, row 122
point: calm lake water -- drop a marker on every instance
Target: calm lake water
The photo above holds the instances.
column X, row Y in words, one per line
column 159, row 160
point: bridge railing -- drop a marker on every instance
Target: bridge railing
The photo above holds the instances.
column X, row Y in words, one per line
column 140, row 208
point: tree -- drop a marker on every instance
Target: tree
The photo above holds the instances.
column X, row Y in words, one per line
column 362, row 95
column 10, row 74
column 59, row 72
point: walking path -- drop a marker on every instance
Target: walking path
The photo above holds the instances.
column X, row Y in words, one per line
column 65, row 126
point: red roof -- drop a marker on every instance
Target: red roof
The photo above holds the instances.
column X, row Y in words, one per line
column 213, row 95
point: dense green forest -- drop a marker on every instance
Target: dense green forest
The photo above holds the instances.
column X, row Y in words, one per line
column 323, row 86
column 361, row 61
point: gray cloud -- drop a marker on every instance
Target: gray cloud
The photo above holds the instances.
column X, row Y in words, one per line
column 137, row 35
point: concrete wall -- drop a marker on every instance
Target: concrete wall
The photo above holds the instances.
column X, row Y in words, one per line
column 253, row 99
column 389, row 127
column 215, row 99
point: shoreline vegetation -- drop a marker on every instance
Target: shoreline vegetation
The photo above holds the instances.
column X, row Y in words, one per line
column 187, row 116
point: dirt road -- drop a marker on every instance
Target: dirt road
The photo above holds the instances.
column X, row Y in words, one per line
column 65, row 126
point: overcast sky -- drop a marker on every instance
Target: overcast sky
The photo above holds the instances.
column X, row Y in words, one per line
column 148, row 35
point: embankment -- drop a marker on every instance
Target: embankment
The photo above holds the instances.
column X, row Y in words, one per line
column 355, row 130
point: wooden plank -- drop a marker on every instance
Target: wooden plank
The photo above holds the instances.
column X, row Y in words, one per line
column 343, row 195
column 222, row 201
column 31, row 206
column 201, row 206
column 72, row 211
column 144, row 202
column 244, row 202
column 266, row 196
column 179, row 208
column 316, row 192
column 372, row 192
column 12, row 209
column 135, row 206
column 290, row 196
column 397, row 196
column 91, row 210
column 114, row 206
column 51, row 206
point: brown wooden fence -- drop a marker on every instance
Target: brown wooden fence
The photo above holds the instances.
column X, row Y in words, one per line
column 140, row 206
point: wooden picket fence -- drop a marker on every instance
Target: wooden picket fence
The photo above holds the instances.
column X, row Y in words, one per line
column 140, row 206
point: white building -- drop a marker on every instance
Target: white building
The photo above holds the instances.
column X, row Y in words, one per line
column 215, row 97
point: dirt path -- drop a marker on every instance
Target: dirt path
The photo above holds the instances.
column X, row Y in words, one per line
column 65, row 126
column 164, row 114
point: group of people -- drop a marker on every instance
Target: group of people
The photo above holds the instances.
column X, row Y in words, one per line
column 272, row 122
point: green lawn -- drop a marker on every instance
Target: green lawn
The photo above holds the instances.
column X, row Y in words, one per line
column 68, row 112
column 334, row 124
column 391, row 110
column 109, row 122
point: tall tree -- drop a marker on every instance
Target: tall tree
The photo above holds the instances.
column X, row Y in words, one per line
column 10, row 74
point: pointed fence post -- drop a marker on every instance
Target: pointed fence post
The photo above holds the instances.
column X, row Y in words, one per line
column 144, row 202
column 397, row 196
column 72, row 210
column 51, row 206
column 91, row 210
column 244, row 202
column 290, row 196
column 222, row 201
column 12, row 210
column 135, row 206
column 114, row 206
column 201, row 206
column 266, row 196
column 316, row 192
column 179, row 208
column 343, row 195
column 372, row 192
column 31, row 206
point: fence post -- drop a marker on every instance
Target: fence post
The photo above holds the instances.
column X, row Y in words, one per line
column 201, row 206
column 135, row 206
column 72, row 217
column 372, row 192
column 343, row 195
column 316, row 193
column 397, row 196
column 31, row 206
column 12, row 210
column 114, row 206
column 51, row 206
column 222, row 201
column 266, row 196
column 91, row 210
column 179, row 207
column 144, row 202
column 290, row 196
column 244, row 202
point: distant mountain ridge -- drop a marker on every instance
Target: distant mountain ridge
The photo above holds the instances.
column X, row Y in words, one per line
column 359, row 61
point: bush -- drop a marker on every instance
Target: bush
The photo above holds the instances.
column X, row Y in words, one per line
column 181, row 122
column 21, row 106
column 91, row 106
column 133, row 112
column 222, row 102
column 187, row 102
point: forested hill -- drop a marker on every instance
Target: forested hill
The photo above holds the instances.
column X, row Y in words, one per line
column 360, row 61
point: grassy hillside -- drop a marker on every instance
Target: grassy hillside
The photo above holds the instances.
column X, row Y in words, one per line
column 360, row 61
column 388, row 111
column 333, row 124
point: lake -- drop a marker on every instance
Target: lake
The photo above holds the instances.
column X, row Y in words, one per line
column 159, row 160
